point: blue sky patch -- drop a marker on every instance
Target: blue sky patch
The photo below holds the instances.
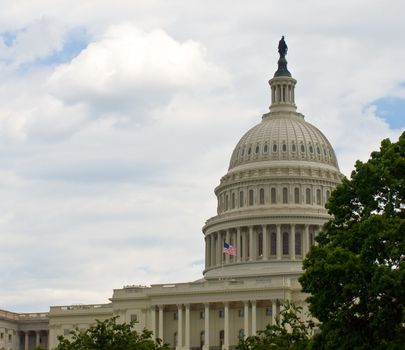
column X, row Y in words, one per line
column 392, row 110
column 8, row 38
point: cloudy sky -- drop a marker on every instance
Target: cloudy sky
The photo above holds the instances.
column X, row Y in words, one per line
column 118, row 118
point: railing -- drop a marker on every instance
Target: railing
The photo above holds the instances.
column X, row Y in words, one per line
column 81, row 307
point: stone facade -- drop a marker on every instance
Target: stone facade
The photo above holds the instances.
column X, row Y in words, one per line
column 270, row 208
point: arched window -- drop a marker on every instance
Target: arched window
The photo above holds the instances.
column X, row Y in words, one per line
column 308, row 196
column 284, row 147
column 273, row 243
column 251, row 197
column 261, row 196
column 286, row 244
column 221, row 338
column 274, row 147
column 226, row 202
column 260, row 244
column 241, row 199
column 298, row 243
column 202, row 339
column 257, row 149
column 265, row 148
column 233, row 201
column 293, row 148
column 296, row 195
column 285, row 195
column 273, row 195
column 318, row 196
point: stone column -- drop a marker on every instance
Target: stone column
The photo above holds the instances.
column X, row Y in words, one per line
column 179, row 326
column 187, row 328
column 227, row 240
column 206, row 326
column 251, row 244
column 220, row 247
column 254, row 319
column 161, row 322
column 226, row 326
column 213, row 261
column 245, row 246
column 26, row 340
column 238, row 250
column 273, row 311
column 307, row 239
column 153, row 320
column 279, row 242
column 246, row 318
column 207, row 249
column 292, row 251
column 265, row 243
column 37, row 337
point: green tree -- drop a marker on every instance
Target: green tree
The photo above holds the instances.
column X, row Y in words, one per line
column 109, row 335
column 289, row 332
column 356, row 273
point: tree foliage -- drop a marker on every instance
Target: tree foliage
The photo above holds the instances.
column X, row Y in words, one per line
column 356, row 273
column 109, row 335
column 289, row 332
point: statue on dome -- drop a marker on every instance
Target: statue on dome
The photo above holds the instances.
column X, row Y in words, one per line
column 282, row 47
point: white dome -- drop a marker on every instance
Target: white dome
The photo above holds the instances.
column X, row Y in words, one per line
column 283, row 136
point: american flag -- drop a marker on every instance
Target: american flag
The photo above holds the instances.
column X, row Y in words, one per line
column 229, row 249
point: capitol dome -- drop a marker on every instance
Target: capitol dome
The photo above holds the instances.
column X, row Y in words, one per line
column 271, row 202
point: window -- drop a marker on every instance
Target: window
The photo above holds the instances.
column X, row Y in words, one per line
column 284, row 147
column 308, row 196
column 175, row 338
column 302, row 148
column 286, row 242
column 273, row 195
column 1, row 335
column 261, row 196
column 318, row 196
column 293, row 148
column 202, row 315
column 298, row 243
column 285, row 195
column 257, row 149
column 241, row 200
column 269, row 311
column 241, row 313
column 221, row 338
column 202, row 339
column 226, row 202
column 327, row 195
column 233, row 201
column 134, row 318
column 240, row 246
column 296, row 195
column 241, row 334
column 249, row 151
column 265, row 148
column 221, row 313
column 260, row 244
column 274, row 147
column 311, row 149
column 251, row 197
column 175, row 315
column 273, row 243
column 318, row 150
column 10, row 338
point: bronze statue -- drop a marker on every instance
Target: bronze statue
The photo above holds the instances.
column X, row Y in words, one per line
column 282, row 47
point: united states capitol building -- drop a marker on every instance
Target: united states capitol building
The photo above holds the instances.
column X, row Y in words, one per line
column 270, row 208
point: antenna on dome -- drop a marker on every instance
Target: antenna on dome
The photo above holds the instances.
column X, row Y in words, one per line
column 282, row 62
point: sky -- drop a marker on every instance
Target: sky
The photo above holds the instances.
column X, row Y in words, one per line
column 118, row 119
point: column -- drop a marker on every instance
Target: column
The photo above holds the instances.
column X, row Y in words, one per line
column 245, row 246
column 265, row 243
column 187, row 328
column 161, row 322
column 37, row 338
column 227, row 240
column 307, row 238
column 179, row 326
column 207, row 248
column 279, row 243
column 206, row 326
column 26, row 340
column 238, row 250
column 246, row 318
column 226, row 326
column 253, row 302
column 274, row 311
column 220, row 247
column 213, row 262
column 292, row 251
column 251, row 244
column 153, row 320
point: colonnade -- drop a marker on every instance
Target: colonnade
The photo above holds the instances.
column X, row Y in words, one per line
column 184, row 341
column 260, row 242
column 25, row 339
